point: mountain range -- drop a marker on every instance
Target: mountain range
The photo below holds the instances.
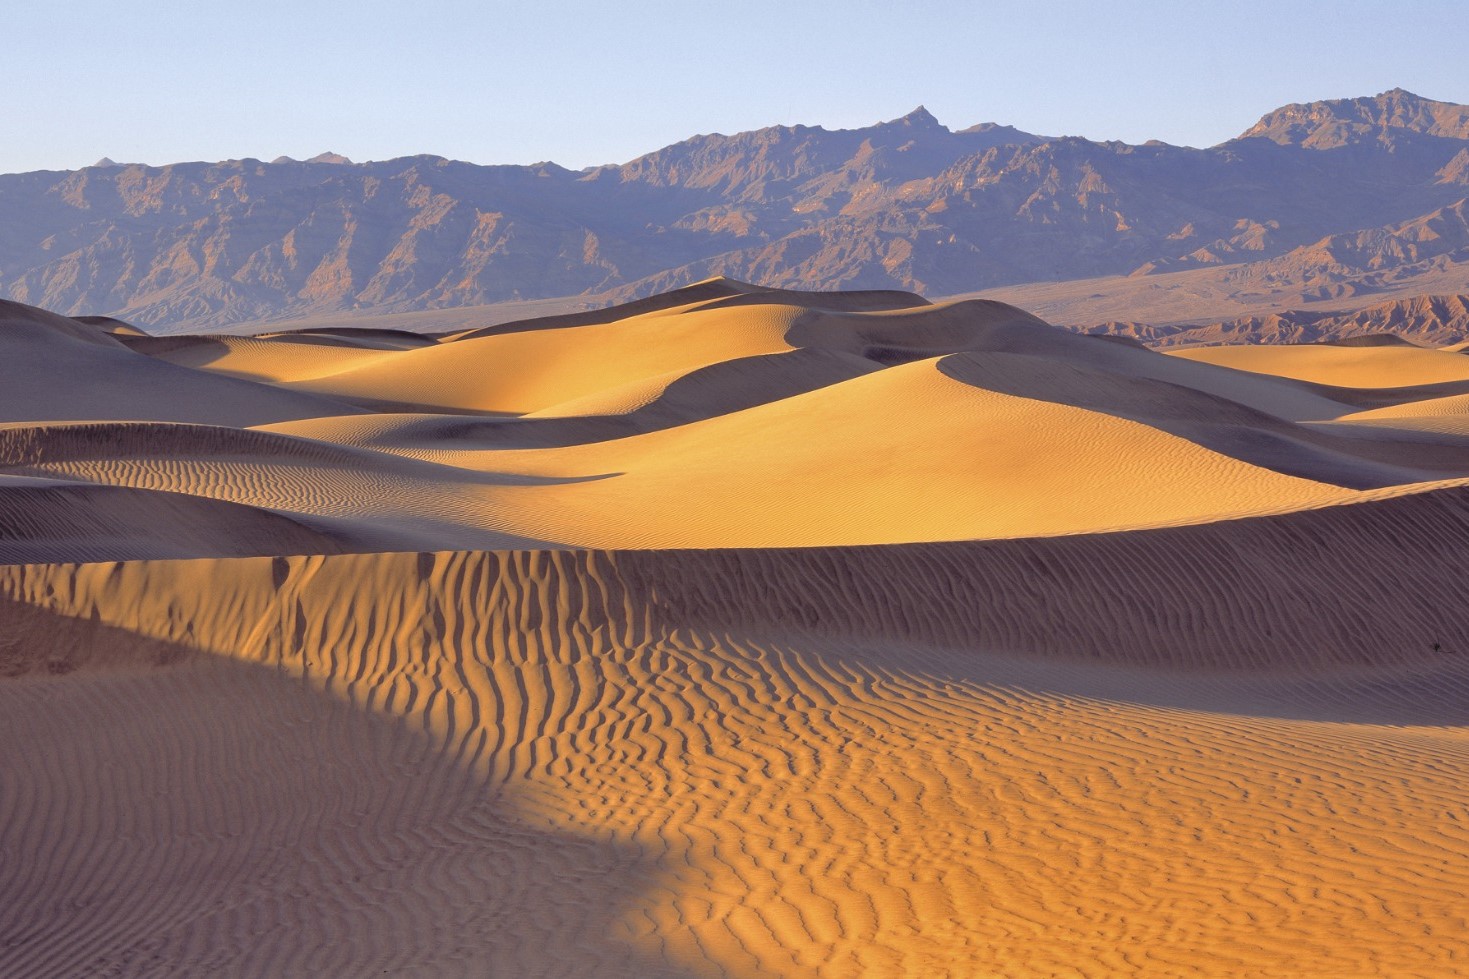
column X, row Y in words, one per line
column 1345, row 201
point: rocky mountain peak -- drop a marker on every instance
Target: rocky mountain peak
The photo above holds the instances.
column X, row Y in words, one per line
column 919, row 119
column 1338, row 122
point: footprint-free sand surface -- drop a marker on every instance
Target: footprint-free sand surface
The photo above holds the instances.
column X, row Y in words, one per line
column 731, row 633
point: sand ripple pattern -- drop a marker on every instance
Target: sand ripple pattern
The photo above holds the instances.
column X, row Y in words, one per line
column 1232, row 749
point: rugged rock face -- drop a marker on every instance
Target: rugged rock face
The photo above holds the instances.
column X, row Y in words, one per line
column 1338, row 190
column 1342, row 122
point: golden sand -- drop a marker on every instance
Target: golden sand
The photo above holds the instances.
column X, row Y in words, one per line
column 548, row 651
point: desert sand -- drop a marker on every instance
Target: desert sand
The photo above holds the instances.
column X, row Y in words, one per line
column 735, row 632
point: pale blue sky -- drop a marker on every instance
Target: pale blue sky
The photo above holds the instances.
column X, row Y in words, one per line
column 584, row 83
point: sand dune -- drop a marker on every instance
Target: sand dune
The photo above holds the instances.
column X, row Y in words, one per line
column 60, row 369
column 1447, row 415
column 725, row 416
column 830, row 762
column 548, row 649
column 534, row 369
column 42, row 517
column 268, row 358
column 1340, row 364
column 715, row 292
column 890, row 453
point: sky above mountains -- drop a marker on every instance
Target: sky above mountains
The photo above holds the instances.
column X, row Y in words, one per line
column 584, row 83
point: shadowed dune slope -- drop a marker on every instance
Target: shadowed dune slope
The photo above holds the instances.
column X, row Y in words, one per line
column 362, row 501
column 44, row 520
column 59, row 369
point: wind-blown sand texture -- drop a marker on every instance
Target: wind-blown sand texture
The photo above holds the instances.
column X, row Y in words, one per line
column 734, row 633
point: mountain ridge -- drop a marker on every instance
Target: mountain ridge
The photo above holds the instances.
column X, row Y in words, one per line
column 905, row 204
column 1337, row 122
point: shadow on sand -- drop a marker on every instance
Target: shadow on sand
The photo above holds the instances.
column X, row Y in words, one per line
column 166, row 811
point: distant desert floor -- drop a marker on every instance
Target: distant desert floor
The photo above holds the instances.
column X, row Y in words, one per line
column 733, row 632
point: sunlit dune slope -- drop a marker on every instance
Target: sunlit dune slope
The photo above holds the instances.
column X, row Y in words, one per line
column 888, row 457
column 268, row 358
column 1340, row 364
column 535, row 369
column 1442, row 416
